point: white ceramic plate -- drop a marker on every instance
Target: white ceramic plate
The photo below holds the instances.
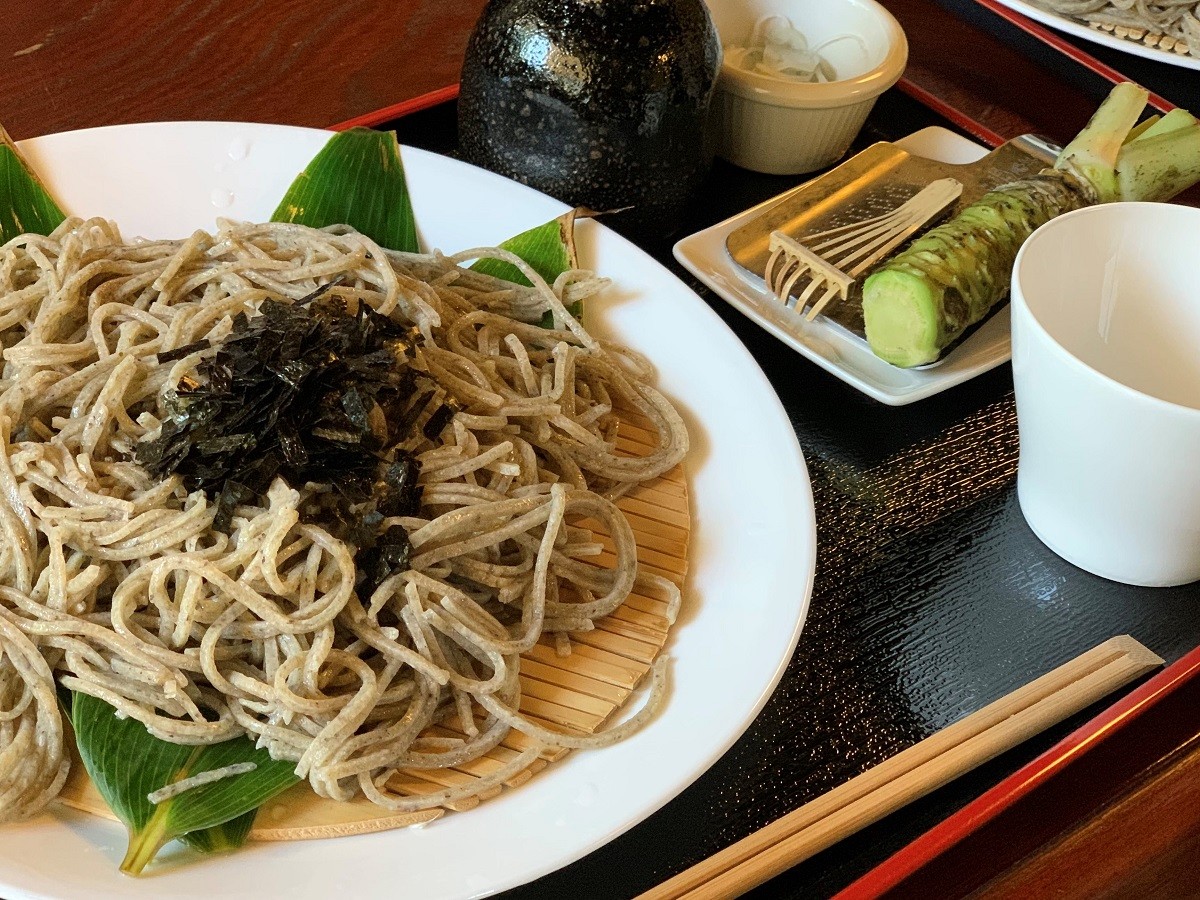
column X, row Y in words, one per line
column 1083, row 30
column 831, row 347
column 753, row 546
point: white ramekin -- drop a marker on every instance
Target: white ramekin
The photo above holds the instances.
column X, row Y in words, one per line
column 784, row 127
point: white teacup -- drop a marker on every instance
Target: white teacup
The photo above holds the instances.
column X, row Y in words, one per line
column 1106, row 362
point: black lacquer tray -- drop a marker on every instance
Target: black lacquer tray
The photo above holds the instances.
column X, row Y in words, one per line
column 932, row 596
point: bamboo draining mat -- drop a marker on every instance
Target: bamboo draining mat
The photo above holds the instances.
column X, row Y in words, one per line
column 1149, row 38
column 576, row 693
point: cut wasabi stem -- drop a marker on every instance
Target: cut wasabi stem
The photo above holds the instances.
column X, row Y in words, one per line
column 1092, row 156
column 1159, row 166
column 922, row 300
column 1175, row 120
column 1141, row 127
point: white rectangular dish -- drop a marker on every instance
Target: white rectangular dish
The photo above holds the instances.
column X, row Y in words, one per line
column 827, row 344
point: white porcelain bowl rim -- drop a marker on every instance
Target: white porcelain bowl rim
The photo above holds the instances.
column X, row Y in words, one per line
column 777, row 91
column 1021, row 305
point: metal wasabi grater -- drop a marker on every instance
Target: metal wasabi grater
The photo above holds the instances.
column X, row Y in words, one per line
column 880, row 178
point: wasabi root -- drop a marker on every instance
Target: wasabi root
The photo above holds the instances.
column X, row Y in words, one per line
column 919, row 302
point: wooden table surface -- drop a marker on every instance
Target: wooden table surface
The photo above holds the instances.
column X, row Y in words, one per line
column 68, row 64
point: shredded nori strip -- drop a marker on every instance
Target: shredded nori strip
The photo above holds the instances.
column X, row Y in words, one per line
column 312, row 393
column 185, row 350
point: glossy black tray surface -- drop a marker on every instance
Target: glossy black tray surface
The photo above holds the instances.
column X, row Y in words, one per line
column 932, row 596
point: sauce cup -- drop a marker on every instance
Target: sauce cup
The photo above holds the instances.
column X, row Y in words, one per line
column 782, row 126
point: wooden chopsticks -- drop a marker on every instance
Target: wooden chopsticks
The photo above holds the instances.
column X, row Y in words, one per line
column 912, row 773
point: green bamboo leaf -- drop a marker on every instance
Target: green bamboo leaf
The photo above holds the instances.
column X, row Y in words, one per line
column 127, row 764
column 226, row 836
column 27, row 207
column 356, row 179
column 549, row 249
column 25, row 204
column 575, row 309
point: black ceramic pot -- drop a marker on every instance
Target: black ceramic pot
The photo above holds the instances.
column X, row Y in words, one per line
column 600, row 103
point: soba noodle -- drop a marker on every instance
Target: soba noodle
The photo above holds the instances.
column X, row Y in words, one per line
column 116, row 584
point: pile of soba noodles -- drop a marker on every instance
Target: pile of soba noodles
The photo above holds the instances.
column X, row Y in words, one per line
column 115, row 583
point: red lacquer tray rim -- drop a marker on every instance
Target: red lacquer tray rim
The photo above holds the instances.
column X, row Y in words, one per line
column 1109, row 725
column 398, row 110
column 1062, row 45
column 1103, row 727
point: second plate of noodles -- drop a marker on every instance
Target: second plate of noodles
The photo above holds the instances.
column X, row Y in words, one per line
column 1169, row 32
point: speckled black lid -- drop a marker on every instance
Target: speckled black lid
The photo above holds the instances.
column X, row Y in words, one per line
column 600, row 103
